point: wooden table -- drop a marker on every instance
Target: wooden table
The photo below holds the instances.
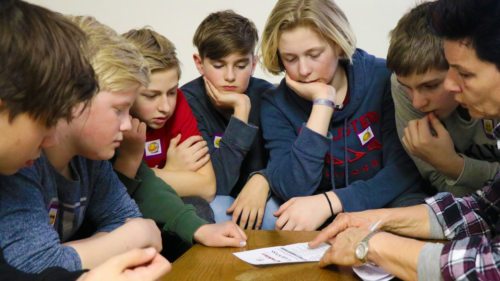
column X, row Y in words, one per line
column 205, row 263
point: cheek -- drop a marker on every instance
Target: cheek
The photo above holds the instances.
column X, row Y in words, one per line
column 173, row 104
column 244, row 78
column 291, row 70
column 216, row 77
column 328, row 67
column 142, row 109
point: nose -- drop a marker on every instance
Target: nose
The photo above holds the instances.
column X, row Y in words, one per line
column 229, row 74
column 125, row 122
column 164, row 106
column 419, row 101
column 451, row 82
column 304, row 68
column 50, row 139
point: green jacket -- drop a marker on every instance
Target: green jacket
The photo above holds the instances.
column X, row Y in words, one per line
column 159, row 202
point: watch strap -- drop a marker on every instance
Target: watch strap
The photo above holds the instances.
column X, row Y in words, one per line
column 365, row 242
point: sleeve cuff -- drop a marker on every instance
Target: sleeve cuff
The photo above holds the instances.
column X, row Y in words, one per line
column 186, row 225
column 130, row 184
column 240, row 134
column 315, row 144
column 452, row 182
column 262, row 173
column 436, row 231
column 429, row 266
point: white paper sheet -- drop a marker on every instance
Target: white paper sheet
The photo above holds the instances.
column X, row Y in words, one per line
column 292, row 253
column 370, row 272
column 300, row 252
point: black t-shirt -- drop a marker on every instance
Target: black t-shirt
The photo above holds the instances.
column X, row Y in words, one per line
column 7, row 272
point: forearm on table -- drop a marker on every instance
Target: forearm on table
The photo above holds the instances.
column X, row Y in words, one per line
column 408, row 221
column 98, row 248
column 397, row 255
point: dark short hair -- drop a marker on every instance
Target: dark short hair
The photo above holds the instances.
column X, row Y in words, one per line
column 414, row 48
column 476, row 22
column 223, row 33
column 44, row 71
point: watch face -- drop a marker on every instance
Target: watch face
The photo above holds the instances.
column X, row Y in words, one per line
column 361, row 251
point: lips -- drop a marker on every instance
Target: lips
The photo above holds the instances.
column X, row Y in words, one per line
column 229, row 88
column 117, row 143
column 159, row 121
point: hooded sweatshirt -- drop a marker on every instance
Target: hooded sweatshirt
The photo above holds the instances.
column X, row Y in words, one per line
column 361, row 159
column 236, row 148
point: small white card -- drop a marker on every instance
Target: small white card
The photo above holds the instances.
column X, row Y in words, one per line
column 293, row 253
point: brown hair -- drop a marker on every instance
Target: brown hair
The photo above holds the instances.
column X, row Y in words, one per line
column 414, row 48
column 223, row 33
column 44, row 71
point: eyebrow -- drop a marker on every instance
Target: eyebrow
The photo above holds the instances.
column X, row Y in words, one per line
column 173, row 87
column 314, row 49
column 432, row 81
column 125, row 104
column 158, row 92
column 245, row 60
column 459, row 67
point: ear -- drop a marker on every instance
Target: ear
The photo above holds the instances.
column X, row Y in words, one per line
column 255, row 59
column 198, row 61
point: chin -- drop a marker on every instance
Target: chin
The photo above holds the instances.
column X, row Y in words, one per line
column 101, row 155
column 10, row 171
column 477, row 115
column 154, row 126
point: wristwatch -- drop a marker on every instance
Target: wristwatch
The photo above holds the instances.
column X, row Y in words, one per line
column 361, row 251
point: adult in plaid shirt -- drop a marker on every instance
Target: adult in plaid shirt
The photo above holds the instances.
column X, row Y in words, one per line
column 471, row 34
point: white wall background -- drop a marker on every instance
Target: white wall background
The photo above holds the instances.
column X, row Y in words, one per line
column 178, row 19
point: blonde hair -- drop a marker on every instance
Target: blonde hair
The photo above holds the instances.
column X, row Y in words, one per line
column 117, row 63
column 322, row 16
column 158, row 51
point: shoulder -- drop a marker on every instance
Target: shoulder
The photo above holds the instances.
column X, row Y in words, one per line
column 38, row 172
column 194, row 88
column 259, row 85
column 182, row 106
column 398, row 94
column 278, row 92
column 370, row 65
column 87, row 168
column 28, row 186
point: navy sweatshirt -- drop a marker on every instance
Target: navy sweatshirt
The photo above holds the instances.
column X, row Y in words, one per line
column 361, row 160
column 236, row 149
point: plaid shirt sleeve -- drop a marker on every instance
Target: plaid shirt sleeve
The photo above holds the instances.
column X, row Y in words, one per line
column 472, row 225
